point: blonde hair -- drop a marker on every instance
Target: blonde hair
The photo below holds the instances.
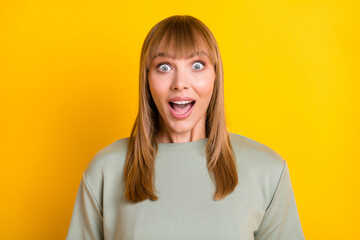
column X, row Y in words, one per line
column 184, row 35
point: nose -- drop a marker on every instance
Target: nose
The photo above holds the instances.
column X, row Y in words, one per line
column 181, row 80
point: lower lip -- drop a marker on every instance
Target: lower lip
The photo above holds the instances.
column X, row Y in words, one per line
column 181, row 116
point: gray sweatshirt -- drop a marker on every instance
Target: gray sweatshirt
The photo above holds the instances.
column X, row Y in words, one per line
column 261, row 207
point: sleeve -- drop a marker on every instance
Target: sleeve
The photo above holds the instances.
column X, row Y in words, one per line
column 281, row 220
column 86, row 221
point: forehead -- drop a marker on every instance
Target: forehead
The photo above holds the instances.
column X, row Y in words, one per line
column 200, row 53
column 180, row 49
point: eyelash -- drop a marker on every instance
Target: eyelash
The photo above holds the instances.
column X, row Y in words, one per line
column 163, row 63
column 170, row 64
column 200, row 62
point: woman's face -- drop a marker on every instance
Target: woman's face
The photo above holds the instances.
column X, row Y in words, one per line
column 181, row 90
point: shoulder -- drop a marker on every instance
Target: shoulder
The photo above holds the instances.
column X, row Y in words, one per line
column 106, row 165
column 255, row 150
column 259, row 167
column 241, row 142
column 109, row 157
column 256, row 157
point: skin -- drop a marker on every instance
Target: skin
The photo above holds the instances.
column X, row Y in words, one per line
column 190, row 77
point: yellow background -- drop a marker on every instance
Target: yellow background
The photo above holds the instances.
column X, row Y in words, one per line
column 69, row 87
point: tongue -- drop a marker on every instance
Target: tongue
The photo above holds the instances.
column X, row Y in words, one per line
column 181, row 108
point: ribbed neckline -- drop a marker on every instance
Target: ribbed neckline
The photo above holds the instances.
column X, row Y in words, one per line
column 185, row 145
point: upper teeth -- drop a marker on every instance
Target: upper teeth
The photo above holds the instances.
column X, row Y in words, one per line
column 182, row 102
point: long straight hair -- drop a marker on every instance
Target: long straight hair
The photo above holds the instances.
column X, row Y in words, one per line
column 183, row 35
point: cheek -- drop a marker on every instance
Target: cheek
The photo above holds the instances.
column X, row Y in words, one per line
column 158, row 90
column 204, row 86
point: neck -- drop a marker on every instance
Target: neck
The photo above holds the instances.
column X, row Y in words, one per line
column 167, row 135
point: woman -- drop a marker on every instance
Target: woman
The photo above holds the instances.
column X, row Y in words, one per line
column 180, row 174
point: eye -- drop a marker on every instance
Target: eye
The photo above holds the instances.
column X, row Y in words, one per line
column 198, row 65
column 164, row 67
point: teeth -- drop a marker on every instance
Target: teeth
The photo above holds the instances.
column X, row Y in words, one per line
column 182, row 102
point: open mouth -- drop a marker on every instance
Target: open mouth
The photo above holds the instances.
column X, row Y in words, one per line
column 182, row 107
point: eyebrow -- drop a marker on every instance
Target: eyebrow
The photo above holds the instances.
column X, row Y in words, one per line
column 161, row 54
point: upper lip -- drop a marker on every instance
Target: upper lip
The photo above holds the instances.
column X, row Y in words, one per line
column 174, row 99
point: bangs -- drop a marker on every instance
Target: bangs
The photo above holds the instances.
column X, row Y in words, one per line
column 180, row 38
